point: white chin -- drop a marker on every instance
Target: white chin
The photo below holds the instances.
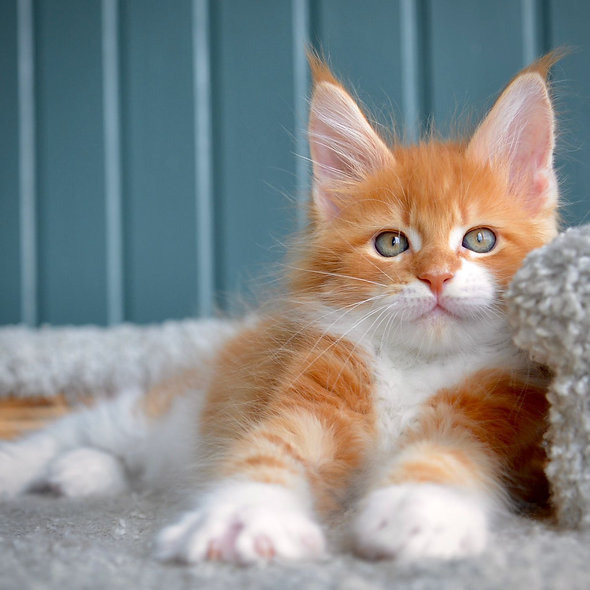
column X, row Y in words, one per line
column 437, row 331
column 441, row 332
column 437, row 325
column 438, row 314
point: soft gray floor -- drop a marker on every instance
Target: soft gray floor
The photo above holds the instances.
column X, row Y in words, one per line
column 67, row 544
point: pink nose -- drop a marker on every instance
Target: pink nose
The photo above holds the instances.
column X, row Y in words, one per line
column 436, row 280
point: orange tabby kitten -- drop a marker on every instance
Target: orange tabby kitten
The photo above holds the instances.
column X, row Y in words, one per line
column 387, row 377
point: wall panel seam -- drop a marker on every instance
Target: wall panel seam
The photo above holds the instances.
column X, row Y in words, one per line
column 203, row 156
column 300, row 18
column 535, row 29
column 409, row 38
column 530, row 30
column 112, row 160
column 27, row 162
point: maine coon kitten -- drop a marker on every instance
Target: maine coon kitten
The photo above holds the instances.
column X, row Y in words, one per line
column 386, row 378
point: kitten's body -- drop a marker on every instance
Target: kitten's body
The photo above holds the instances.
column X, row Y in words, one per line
column 386, row 377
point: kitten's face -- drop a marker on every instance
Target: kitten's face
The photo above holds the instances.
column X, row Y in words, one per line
column 424, row 249
column 418, row 244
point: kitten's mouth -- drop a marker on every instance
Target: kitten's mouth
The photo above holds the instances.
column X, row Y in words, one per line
column 438, row 311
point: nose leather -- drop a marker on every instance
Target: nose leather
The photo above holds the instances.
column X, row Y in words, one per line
column 436, row 280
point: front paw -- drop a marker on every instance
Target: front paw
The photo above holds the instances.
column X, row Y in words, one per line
column 243, row 523
column 412, row 521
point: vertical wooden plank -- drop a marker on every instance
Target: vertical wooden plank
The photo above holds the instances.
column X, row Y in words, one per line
column 475, row 48
column 254, row 122
column 362, row 40
column 411, row 67
column 10, row 293
column 158, row 154
column 203, row 157
column 534, row 29
column 27, row 154
column 568, row 25
column 112, row 160
column 301, row 15
column 72, row 267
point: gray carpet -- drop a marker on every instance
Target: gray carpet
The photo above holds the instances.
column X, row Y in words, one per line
column 70, row 544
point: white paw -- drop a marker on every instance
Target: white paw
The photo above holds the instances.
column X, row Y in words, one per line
column 413, row 521
column 243, row 523
column 22, row 461
column 84, row 472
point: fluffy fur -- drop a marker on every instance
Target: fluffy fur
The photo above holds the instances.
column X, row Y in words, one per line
column 549, row 310
column 385, row 382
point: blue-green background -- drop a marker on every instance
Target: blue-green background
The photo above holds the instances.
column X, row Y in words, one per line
column 413, row 59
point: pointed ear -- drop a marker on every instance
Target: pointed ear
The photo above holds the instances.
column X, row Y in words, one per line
column 518, row 137
column 344, row 147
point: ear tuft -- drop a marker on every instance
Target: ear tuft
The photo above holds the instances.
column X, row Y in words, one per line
column 543, row 65
column 320, row 71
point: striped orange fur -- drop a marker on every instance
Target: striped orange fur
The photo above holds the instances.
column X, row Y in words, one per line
column 288, row 404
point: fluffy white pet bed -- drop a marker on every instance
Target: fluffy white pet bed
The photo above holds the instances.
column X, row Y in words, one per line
column 82, row 361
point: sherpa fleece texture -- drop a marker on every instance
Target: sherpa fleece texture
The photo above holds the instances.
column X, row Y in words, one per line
column 88, row 360
column 549, row 309
column 106, row 544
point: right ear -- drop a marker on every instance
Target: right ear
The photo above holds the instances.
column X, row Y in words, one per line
column 344, row 147
column 518, row 136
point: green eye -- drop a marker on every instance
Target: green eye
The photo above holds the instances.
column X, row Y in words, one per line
column 480, row 240
column 391, row 243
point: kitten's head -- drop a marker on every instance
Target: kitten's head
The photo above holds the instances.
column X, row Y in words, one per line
column 422, row 241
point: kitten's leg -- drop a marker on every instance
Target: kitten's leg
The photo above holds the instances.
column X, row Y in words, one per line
column 49, row 457
column 427, row 506
column 84, row 471
column 289, row 417
column 92, row 451
column 22, row 461
column 262, row 506
column 438, row 493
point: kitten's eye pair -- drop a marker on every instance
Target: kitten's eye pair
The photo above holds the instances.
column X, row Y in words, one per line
column 392, row 243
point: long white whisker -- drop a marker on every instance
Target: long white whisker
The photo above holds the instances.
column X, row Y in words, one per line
column 337, row 341
column 335, row 274
column 349, row 308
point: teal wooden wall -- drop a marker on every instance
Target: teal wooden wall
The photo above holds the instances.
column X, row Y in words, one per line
column 147, row 147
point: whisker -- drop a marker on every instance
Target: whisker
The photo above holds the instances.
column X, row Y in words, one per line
column 314, row 320
column 378, row 321
column 337, row 341
column 335, row 274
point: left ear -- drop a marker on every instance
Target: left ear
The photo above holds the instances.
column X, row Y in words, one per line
column 344, row 148
column 518, row 137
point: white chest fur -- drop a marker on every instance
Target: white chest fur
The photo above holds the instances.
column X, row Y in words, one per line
column 406, row 377
column 404, row 383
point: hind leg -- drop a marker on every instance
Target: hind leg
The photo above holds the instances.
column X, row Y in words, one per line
column 22, row 462
column 80, row 454
column 92, row 452
column 84, row 472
